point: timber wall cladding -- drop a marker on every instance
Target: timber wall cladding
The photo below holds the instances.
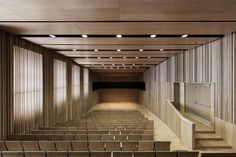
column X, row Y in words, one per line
column 213, row 62
column 7, row 123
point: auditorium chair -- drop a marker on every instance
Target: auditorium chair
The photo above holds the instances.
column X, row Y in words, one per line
column 106, row 137
column 54, row 137
column 79, row 146
column 94, row 137
column 144, row 154
column 68, row 137
column 81, row 137
column 30, row 145
column 56, row 154
column 123, row 154
column 63, row 145
column 129, row 146
column 96, row 146
column 40, row 137
column 162, row 145
column 35, row 154
column 2, row 146
column 13, row 145
column 147, row 137
column 100, row 154
column 13, row 154
column 133, row 137
column 120, row 137
column 47, row 146
column 114, row 132
column 166, row 154
column 217, row 154
column 113, row 146
column 146, row 146
column 28, row 137
column 78, row 154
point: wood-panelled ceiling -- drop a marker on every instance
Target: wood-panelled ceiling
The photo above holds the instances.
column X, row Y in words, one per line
column 203, row 20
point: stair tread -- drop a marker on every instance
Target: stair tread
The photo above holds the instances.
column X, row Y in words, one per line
column 212, row 144
column 207, row 136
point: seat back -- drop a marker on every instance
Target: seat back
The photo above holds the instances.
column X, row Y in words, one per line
column 63, row 145
column 100, row 154
column 79, row 146
column 113, row 146
column 129, row 146
column 47, row 146
column 146, row 146
column 2, row 146
column 56, row 154
column 13, row 145
column 13, row 154
column 68, row 137
column 166, row 154
column 162, row 146
column 30, row 145
column 96, row 146
column 144, row 154
column 94, row 137
column 106, row 137
column 54, row 137
column 147, row 137
column 82, row 137
column 120, row 137
column 123, row 154
column 78, row 154
column 35, row 154
column 134, row 137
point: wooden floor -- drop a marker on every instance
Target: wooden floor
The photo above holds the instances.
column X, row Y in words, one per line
column 161, row 131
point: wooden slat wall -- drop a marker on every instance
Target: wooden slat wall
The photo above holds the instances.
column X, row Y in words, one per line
column 213, row 62
column 7, row 42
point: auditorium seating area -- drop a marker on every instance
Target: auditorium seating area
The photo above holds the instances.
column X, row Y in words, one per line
column 98, row 133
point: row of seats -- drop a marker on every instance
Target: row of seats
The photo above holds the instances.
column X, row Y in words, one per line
column 127, row 132
column 85, row 137
column 83, row 146
column 100, row 154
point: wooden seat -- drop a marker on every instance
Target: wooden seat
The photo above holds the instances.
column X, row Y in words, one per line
column 123, row 154
column 133, row 137
column 144, row 154
column 54, row 137
column 79, row 146
column 47, row 146
column 147, row 137
column 35, row 154
column 14, row 137
column 120, row 137
column 81, row 137
column 28, row 137
column 56, row 154
column 166, row 154
column 96, row 146
column 113, row 146
column 63, row 145
column 13, row 145
column 2, row 146
column 100, row 154
column 68, row 137
column 13, row 154
column 30, row 145
column 94, row 137
column 78, row 154
column 162, row 146
column 129, row 146
column 146, row 146
column 107, row 137
column 40, row 137
column 196, row 153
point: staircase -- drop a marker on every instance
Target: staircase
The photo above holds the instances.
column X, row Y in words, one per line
column 206, row 138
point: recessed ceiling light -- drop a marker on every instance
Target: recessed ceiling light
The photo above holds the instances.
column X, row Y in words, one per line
column 119, row 36
column 124, row 57
column 52, row 36
column 148, row 57
column 102, row 64
column 113, row 64
column 74, row 49
column 184, row 36
column 96, row 50
column 110, row 57
column 161, row 49
column 117, row 67
column 140, row 49
column 123, row 64
column 131, row 67
column 136, row 57
column 153, row 36
column 99, row 57
column 133, row 64
column 84, row 36
column 118, row 50
column 111, row 68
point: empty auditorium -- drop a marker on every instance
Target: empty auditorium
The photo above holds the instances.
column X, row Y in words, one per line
column 117, row 78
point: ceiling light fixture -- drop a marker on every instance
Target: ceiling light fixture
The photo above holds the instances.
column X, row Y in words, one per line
column 119, row 36
column 124, row 57
column 96, row 50
column 84, row 36
column 52, row 36
column 140, row 49
column 118, row 50
column 110, row 57
column 148, row 57
column 74, row 50
column 153, row 36
column 161, row 49
column 184, row 36
column 99, row 57
column 136, row 57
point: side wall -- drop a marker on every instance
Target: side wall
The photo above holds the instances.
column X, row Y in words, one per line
column 213, row 62
column 7, row 42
